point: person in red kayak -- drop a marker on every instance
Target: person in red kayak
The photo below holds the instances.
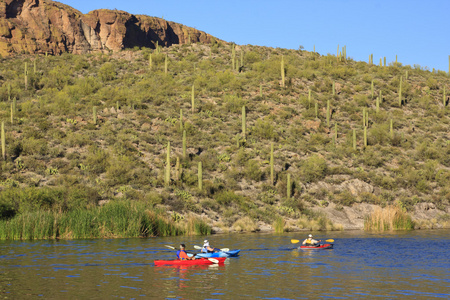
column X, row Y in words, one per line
column 310, row 241
column 208, row 249
column 182, row 255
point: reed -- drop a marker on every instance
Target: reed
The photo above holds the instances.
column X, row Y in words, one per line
column 388, row 218
column 117, row 219
column 278, row 225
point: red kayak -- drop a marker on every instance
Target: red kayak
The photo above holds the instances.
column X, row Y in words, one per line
column 199, row 261
column 323, row 246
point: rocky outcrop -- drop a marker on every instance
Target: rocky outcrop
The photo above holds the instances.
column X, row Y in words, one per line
column 40, row 26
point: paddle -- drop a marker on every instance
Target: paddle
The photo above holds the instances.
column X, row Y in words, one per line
column 223, row 249
column 296, row 241
column 213, row 260
column 173, row 248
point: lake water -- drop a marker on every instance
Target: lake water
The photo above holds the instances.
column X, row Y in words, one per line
column 401, row 265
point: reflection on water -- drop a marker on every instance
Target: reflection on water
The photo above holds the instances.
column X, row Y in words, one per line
column 362, row 265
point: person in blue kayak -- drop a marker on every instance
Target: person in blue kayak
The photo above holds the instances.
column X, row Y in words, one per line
column 311, row 242
column 182, row 255
column 207, row 248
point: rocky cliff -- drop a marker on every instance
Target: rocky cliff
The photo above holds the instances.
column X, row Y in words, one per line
column 39, row 26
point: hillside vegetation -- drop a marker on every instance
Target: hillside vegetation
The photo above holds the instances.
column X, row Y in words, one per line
column 235, row 137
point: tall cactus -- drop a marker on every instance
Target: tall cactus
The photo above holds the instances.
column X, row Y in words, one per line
column 200, row 176
column 377, row 104
column 316, row 109
column 233, row 56
column 272, row 180
column 3, row 141
column 167, row 172
column 354, row 139
column 150, row 62
column 400, row 92
column 289, row 186
column 12, row 114
column 243, row 122
column 282, row 72
column 333, row 88
column 384, row 61
column 181, row 119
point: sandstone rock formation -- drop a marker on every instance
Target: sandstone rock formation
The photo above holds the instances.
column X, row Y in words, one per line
column 40, row 26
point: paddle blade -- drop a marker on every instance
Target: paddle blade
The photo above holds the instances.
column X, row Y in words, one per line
column 170, row 247
column 213, row 260
column 225, row 249
column 197, row 247
column 295, row 241
column 330, row 241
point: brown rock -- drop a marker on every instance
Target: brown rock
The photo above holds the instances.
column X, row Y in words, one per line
column 40, row 26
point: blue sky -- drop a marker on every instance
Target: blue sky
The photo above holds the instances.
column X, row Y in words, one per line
column 415, row 31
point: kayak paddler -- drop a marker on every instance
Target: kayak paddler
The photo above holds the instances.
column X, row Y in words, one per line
column 208, row 249
column 182, row 255
column 310, row 241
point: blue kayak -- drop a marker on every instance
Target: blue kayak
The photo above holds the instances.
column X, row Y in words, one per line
column 230, row 253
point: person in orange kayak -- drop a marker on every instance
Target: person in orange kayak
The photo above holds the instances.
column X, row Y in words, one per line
column 208, row 249
column 182, row 255
column 310, row 241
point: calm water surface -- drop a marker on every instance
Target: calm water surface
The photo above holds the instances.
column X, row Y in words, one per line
column 406, row 265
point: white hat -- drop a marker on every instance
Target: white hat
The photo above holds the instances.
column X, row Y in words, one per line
column 205, row 241
column 310, row 235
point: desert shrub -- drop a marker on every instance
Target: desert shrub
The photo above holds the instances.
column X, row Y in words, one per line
column 253, row 170
column 264, row 129
column 314, row 168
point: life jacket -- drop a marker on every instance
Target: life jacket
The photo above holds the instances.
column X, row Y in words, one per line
column 179, row 253
column 204, row 250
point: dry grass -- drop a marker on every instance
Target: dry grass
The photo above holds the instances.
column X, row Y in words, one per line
column 388, row 218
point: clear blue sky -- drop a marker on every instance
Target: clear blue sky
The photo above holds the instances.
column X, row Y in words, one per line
column 416, row 31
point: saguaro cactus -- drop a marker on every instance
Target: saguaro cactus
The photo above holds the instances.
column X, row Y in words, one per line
column 400, row 92
column 377, row 103
column 354, row 139
column 282, row 72
column 167, row 173
column 443, row 96
column 150, row 62
column 335, row 133
column 181, row 119
column 316, row 109
column 233, row 56
column 200, row 176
